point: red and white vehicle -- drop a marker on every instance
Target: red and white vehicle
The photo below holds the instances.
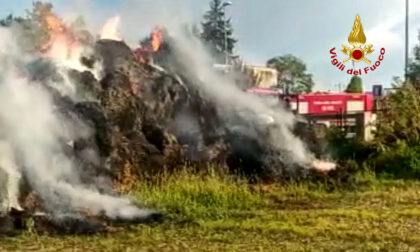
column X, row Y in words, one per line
column 341, row 109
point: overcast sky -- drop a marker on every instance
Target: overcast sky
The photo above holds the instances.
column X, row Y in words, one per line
column 268, row 28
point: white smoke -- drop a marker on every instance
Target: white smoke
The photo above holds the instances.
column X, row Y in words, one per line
column 32, row 132
column 195, row 57
column 32, row 140
column 10, row 176
column 267, row 115
column 229, row 97
column 138, row 17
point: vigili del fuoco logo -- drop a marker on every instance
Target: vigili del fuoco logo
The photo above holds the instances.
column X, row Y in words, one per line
column 357, row 52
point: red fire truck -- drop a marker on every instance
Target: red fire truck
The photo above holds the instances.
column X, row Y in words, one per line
column 355, row 112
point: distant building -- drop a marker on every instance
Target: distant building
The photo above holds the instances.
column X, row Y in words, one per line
column 246, row 75
column 262, row 76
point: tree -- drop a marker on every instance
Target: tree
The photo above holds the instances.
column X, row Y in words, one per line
column 413, row 73
column 42, row 16
column 398, row 125
column 355, row 85
column 23, row 29
column 217, row 28
column 399, row 117
column 292, row 74
column 10, row 20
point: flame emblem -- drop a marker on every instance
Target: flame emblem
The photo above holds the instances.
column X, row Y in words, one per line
column 357, row 39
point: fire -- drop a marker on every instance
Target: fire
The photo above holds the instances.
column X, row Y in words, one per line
column 110, row 29
column 156, row 38
column 144, row 53
column 62, row 45
column 323, row 166
column 53, row 23
column 64, row 49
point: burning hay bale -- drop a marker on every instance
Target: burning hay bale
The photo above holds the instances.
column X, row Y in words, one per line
column 137, row 103
column 62, row 144
column 87, row 120
column 165, row 103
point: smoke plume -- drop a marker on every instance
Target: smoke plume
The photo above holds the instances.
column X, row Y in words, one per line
column 34, row 138
column 232, row 101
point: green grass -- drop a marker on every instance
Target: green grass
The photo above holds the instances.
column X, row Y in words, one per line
column 209, row 213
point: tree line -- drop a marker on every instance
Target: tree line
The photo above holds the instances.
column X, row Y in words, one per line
column 396, row 148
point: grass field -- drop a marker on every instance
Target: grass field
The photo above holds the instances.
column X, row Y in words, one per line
column 207, row 213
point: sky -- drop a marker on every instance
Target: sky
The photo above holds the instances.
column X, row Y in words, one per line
column 267, row 28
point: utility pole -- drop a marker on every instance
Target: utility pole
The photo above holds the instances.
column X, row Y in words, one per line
column 406, row 38
column 226, row 4
column 338, row 87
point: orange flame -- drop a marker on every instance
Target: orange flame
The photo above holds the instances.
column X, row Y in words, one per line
column 53, row 23
column 62, row 45
column 323, row 166
column 66, row 50
column 110, row 29
column 157, row 38
column 144, row 53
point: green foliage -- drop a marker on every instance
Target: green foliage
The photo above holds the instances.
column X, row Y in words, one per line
column 292, row 74
column 399, row 117
column 395, row 151
column 216, row 28
column 399, row 161
column 397, row 139
column 398, row 127
column 343, row 148
column 38, row 15
column 24, row 29
column 10, row 20
column 413, row 73
column 355, row 85
column 197, row 196
column 32, row 31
